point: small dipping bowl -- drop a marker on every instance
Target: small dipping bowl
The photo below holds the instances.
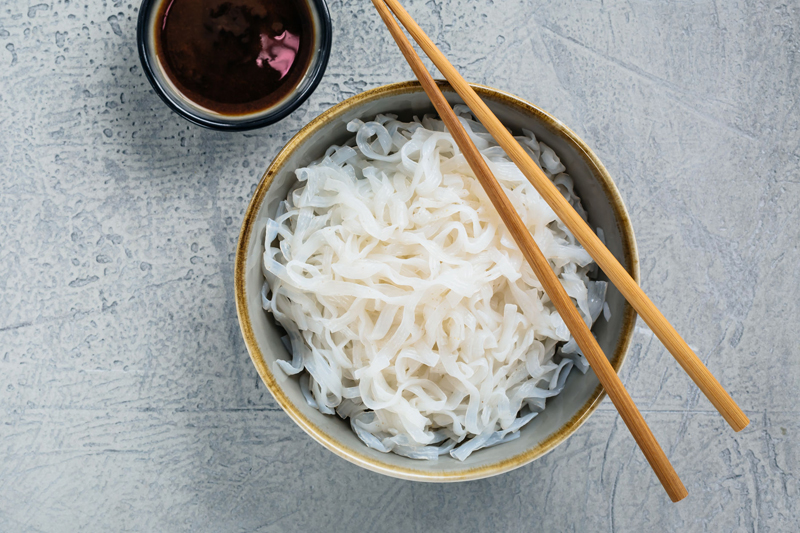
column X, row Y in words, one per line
column 150, row 15
column 565, row 412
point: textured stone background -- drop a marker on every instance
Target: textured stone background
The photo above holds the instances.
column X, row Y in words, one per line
column 128, row 401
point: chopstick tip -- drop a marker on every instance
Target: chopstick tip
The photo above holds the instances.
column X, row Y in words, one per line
column 741, row 424
column 680, row 495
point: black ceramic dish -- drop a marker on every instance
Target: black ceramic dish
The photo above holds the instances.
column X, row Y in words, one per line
column 203, row 117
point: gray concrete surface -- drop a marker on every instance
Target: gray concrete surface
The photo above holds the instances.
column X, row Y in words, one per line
column 128, row 402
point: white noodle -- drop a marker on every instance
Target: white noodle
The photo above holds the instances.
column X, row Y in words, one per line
column 407, row 305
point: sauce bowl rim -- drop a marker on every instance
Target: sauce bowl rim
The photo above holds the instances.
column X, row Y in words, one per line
column 315, row 73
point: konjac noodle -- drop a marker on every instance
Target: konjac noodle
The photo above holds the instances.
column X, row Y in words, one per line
column 408, row 307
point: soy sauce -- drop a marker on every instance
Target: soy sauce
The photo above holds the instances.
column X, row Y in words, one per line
column 235, row 57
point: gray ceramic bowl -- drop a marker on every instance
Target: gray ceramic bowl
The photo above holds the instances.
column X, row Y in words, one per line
column 564, row 413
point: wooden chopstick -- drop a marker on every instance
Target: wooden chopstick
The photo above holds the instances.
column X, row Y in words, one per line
column 608, row 378
column 608, row 263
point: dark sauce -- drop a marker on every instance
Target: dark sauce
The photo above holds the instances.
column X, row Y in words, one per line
column 235, row 57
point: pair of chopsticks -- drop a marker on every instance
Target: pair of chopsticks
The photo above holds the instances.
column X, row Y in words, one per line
column 555, row 291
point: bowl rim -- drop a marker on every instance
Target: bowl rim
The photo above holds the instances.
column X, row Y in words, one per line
column 355, row 456
column 315, row 73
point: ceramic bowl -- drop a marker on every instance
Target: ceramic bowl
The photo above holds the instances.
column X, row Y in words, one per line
column 183, row 106
column 564, row 413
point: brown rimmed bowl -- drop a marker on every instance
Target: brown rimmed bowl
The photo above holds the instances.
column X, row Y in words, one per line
column 564, row 413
